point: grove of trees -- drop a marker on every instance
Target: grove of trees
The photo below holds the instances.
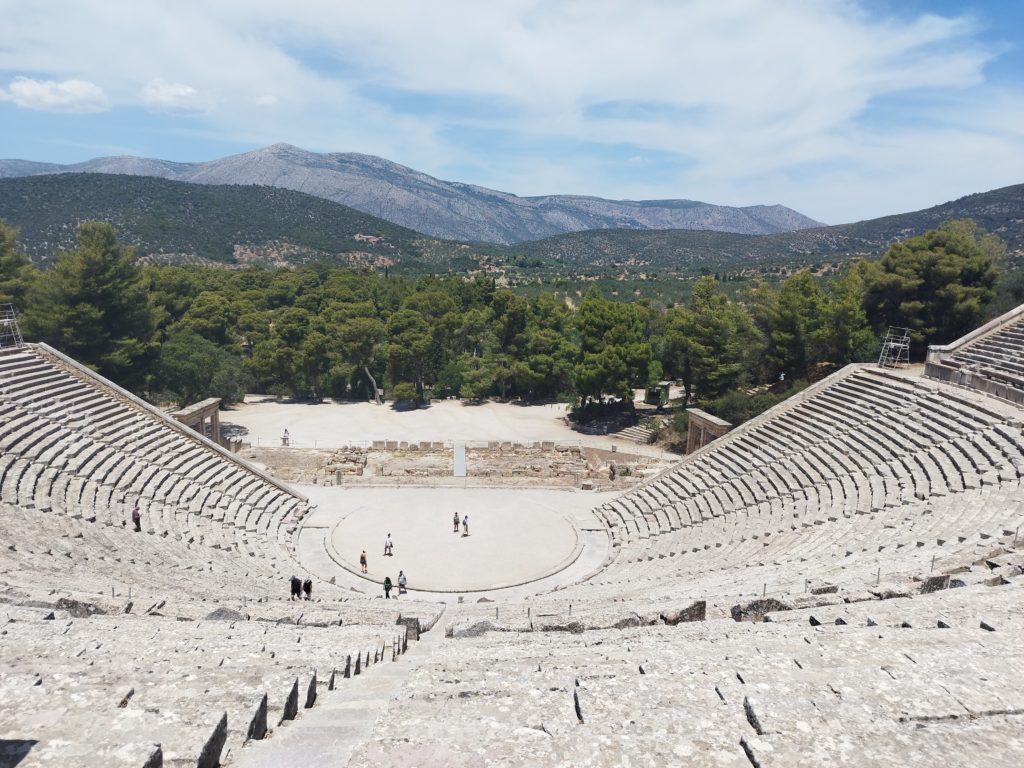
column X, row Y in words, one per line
column 185, row 333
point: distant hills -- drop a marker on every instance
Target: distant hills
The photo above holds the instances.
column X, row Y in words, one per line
column 1000, row 212
column 176, row 222
column 179, row 222
column 443, row 209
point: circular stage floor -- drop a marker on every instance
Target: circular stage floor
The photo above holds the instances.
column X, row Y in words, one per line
column 515, row 537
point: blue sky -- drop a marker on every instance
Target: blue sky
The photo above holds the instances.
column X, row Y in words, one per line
column 841, row 109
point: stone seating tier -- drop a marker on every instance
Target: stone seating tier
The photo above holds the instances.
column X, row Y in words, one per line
column 198, row 689
column 842, row 481
column 723, row 693
column 991, row 359
column 73, row 448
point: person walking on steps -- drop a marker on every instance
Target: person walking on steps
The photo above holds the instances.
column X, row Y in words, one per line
column 362, row 561
column 137, row 519
column 401, row 582
column 296, row 585
column 307, row 589
column 387, row 587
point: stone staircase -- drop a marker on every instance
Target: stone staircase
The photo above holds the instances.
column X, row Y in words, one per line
column 342, row 724
column 637, row 434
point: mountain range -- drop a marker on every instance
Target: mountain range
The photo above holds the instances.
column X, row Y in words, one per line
column 444, row 209
column 999, row 212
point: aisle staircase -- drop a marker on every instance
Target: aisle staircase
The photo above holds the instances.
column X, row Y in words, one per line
column 343, row 720
column 637, row 434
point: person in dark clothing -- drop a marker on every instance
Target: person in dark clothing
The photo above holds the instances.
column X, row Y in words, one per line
column 387, row 587
column 455, row 522
column 137, row 519
column 296, row 583
column 307, row 588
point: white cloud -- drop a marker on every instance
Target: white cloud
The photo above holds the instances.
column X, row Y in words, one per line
column 78, row 96
column 788, row 101
column 160, row 95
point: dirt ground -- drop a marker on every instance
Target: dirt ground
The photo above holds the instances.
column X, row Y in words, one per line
column 333, row 425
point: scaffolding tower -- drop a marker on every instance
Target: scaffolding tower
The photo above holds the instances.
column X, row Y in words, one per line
column 10, row 333
column 895, row 348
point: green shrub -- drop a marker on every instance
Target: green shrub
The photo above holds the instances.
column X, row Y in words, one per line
column 404, row 391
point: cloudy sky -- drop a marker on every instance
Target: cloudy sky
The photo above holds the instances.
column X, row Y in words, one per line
column 841, row 109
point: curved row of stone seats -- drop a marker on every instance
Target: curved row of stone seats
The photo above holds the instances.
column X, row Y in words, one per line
column 73, row 443
column 670, row 597
column 1003, row 349
column 53, row 551
column 345, row 612
column 938, row 534
column 990, row 359
column 851, row 461
column 719, row 693
column 997, row 606
column 199, row 689
column 864, row 441
column 53, row 557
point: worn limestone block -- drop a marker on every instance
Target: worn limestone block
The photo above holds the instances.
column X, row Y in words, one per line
column 226, row 614
column 756, row 609
column 78, row 609
column 935, row 583
column 556, row 625
column 827, row 589
column 474, row 629
column 696, row 611
column 412, row 626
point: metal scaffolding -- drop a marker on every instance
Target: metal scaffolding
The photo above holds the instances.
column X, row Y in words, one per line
column 10, row 333
column 895, row 350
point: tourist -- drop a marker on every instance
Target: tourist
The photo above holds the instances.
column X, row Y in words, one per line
column 285, row 438
column 387, row 587
column 455, row 522
column 307, row 589
column 296, row 588
column 362, row 561
column 388, row 546
column 137, row 519
column 465, row 526
column 401, row 582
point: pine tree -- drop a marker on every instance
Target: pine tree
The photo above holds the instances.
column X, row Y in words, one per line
column 93, row 305
column 16, row 272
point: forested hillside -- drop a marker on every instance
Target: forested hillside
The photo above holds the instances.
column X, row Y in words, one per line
column 186, row 332
column 1000, row 212
column 172, row 221
column 178, row 222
